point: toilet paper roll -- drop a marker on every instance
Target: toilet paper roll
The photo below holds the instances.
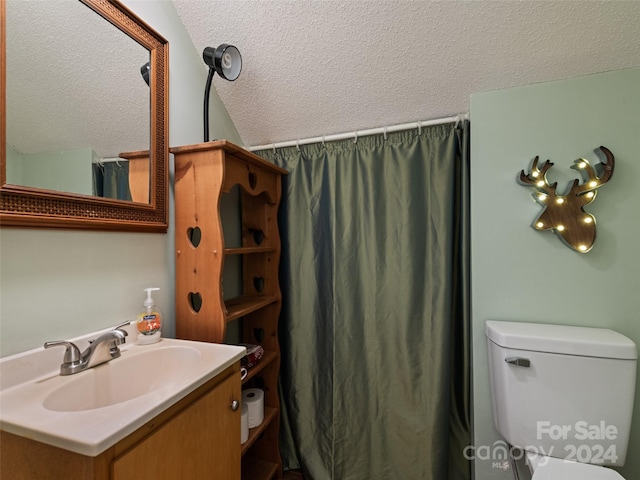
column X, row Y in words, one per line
column 253, row 398
column 244, row 423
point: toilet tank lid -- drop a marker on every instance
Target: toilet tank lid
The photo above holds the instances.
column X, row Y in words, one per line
column 564, row 339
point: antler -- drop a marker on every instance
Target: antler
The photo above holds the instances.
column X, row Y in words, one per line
column 591, row 179
column 537, row 178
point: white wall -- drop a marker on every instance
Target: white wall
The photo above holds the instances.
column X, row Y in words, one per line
column 523, row 275
column 57, row 284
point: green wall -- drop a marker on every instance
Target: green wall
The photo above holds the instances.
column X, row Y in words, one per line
column 65, row 171
column 523, row 275
column 13, row 165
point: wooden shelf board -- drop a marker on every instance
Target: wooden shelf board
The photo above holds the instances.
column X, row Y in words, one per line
column 267, row 358
column 240, row 306
column 235, row 152
column 248, row 250
column 258, row 469
column 254, row 433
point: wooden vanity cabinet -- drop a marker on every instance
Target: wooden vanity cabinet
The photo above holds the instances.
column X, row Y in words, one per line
column 204, row 173
column 197, row 438
column 200, row 442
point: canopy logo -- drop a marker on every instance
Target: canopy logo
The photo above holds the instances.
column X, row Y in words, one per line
column 500, row 452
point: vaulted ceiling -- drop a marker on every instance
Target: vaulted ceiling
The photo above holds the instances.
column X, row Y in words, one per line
column 319, row 67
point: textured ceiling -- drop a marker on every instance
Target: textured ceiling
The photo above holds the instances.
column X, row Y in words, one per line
column 317, row 67
column 310, row 67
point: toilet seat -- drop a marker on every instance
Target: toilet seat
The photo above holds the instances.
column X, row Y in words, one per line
column 550, row 468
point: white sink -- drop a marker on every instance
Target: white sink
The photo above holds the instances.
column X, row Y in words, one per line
column 90, row 411
column 125, row 378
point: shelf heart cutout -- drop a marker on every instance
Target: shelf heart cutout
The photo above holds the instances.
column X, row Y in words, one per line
column 258, row 334
column 258, row 236
column 253, row 180
column 258, row 283
column 195, row 235
column 195, row 301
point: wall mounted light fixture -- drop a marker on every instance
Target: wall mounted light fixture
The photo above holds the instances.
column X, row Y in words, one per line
column 145, row 70
column 564, row 214
column 227, row 62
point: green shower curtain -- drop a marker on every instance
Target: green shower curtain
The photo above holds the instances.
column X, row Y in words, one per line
column 111, row 180
column 375, row 324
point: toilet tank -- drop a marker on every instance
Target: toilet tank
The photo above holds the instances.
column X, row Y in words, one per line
column 562, row 391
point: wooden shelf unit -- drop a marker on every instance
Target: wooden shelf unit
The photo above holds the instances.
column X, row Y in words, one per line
column 204, row 172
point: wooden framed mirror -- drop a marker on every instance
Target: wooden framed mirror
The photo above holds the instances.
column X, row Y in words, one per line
column 35, row 206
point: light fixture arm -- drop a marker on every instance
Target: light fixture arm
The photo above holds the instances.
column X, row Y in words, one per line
column 207, row 91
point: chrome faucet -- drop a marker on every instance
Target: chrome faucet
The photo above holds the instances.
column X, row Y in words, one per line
column 101, row 350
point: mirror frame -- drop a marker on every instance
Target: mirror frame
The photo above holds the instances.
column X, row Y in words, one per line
column 33, row 207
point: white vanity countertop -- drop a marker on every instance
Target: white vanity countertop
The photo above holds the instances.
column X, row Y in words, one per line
column 30, row 380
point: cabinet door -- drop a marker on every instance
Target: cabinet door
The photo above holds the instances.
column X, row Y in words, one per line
column 201, row 442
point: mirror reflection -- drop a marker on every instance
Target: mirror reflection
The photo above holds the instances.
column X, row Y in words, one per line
column 77, row 105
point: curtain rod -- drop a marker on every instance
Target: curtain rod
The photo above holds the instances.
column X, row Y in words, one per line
column 362, row 133
column 100, row 161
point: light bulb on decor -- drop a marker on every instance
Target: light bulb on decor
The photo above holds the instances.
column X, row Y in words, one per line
column 227, row 62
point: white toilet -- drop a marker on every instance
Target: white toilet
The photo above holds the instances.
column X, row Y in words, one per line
column 564, row 395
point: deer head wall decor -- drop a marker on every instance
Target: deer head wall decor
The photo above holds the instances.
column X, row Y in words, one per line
column 564, row 214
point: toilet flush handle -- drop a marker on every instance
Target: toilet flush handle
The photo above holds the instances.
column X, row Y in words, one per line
column 519, row 361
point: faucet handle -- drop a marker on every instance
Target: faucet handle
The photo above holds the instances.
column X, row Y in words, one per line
column 72, row 355
column 123, row 324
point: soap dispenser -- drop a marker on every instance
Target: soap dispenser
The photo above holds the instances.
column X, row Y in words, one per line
column 149, row 320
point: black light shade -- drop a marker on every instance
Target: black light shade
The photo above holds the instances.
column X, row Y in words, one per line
column 145, row 70
column 225, row 60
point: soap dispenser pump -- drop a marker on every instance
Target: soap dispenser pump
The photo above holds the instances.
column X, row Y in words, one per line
column 149, row 320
